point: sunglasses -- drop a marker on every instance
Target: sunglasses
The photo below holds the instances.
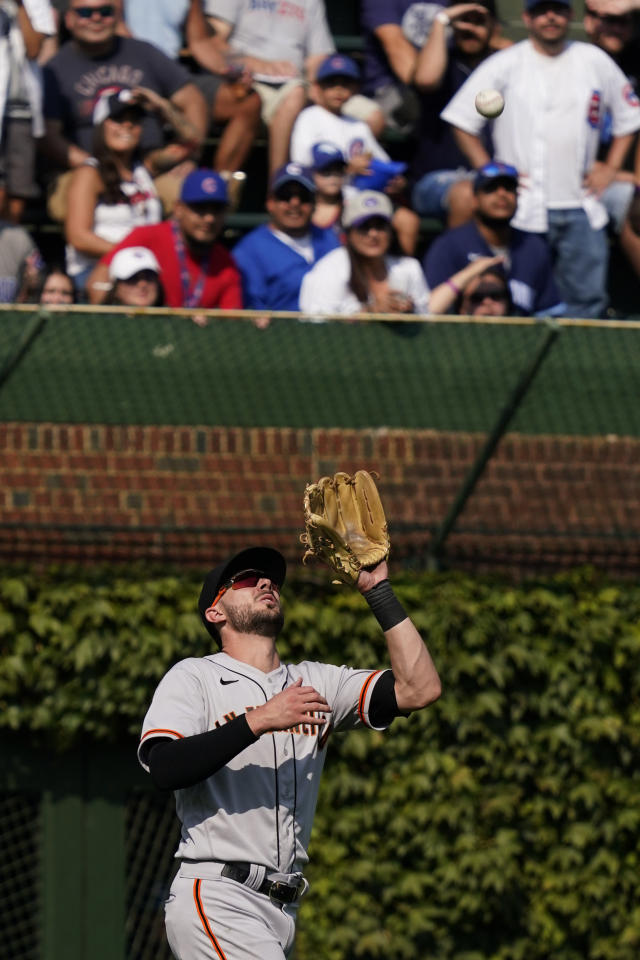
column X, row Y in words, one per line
column 373, row 223
column 245, row 579
column 504, row 183
column 288, row 193
column 85, row 13
column 487, row 293
column 130, row 116
column 332, row 169
column 623, row 20
column 147, row 275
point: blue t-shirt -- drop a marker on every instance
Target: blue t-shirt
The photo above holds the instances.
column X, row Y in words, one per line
column 529, row 271
column 415, row 19
column 272, row 271
column 436, row 147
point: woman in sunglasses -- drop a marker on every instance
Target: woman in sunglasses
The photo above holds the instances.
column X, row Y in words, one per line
column 487, row 295
column 363, row 276
column 113, row 191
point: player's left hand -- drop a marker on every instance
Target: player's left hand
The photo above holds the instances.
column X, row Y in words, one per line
column 367, row 579
column 599, row 177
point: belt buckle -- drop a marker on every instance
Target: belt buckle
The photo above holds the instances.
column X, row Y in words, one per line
column 281, row 892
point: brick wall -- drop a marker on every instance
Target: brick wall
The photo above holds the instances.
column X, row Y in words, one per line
column 190, row 494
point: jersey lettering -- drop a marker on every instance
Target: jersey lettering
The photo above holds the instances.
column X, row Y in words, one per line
column 121, row 75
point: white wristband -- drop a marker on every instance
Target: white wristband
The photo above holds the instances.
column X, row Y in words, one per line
column 443, row 18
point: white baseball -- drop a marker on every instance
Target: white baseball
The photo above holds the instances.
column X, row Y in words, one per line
column 490, row 103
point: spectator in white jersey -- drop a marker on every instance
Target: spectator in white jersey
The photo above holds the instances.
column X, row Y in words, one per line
column 557, row 92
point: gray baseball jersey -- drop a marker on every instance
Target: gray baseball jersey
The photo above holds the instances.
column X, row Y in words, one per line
column 259, row 808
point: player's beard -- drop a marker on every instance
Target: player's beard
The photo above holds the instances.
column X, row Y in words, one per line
column 265, row 621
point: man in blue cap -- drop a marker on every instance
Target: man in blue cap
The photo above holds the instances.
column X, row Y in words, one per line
column 557, row 92
column 274, row 257
column 526, row 257
column 195, row 270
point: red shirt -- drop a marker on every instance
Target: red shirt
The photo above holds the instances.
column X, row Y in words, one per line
column 222, row 287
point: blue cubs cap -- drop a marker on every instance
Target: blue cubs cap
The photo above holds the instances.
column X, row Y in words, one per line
column 337, row 65
column 292, row 173
column 324, row 154
column 494, row 171
column 379, row 175
column 204, row 186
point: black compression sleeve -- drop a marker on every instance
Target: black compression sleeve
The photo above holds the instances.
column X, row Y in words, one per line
column 175, row 764
column 385, row 606
column 383, row 707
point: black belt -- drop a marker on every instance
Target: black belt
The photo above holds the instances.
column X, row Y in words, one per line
column 274, row 889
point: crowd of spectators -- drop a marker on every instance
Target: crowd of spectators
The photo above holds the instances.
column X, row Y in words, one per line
column 133, row 123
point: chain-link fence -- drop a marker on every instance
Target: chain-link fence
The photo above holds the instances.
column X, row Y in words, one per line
column 20, row 863
column 499, row 442
column 152, row 838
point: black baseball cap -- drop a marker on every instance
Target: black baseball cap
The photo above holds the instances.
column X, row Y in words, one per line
column 266, row 559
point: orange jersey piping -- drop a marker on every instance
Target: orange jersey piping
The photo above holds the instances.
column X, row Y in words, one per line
column 363, row 695
column 161, row 730
column 204, row 921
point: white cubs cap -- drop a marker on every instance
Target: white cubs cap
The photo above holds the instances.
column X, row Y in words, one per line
column 126, row 263
column 361, row 205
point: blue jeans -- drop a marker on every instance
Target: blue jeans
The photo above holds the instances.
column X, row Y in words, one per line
column 429, row 197
column 580, row 262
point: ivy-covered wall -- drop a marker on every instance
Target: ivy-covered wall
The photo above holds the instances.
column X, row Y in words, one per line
column 500, row 824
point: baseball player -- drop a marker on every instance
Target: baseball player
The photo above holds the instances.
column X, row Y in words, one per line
column 241, row 737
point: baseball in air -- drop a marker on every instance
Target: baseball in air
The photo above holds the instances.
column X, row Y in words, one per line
column 490, row 103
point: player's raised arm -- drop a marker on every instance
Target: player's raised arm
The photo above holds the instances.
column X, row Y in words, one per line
column 417, row 683
column 346, row 528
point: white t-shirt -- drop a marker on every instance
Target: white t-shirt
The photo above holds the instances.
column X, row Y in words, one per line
column 291, row 30
column 113, row 221
column 325, row 288
column 315, row 124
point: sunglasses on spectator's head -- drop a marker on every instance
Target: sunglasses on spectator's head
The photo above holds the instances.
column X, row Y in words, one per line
column 244, row 579
column 488, row 293
column 85, row 13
